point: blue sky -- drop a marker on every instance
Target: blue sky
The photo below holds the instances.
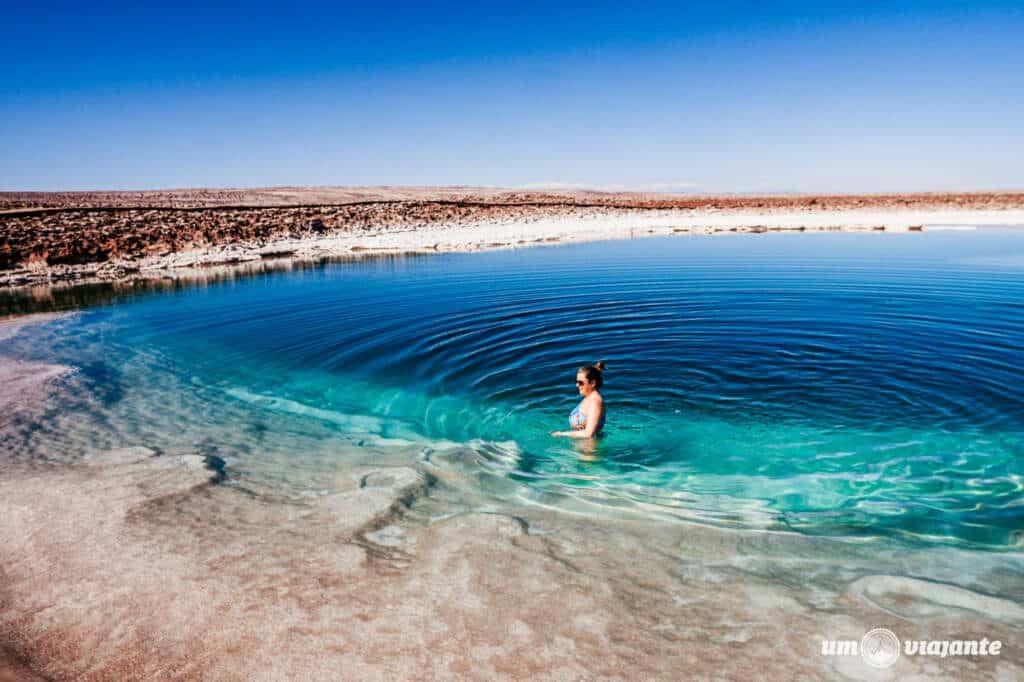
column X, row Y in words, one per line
column 725, row 96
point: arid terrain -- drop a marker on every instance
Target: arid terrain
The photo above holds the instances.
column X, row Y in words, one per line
column 80, row 236
column 333, row 196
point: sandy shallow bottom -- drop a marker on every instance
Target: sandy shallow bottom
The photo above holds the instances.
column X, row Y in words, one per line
column 417, row 563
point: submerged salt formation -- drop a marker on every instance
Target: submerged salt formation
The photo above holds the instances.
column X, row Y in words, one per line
column 136, row 565
column 21, row 381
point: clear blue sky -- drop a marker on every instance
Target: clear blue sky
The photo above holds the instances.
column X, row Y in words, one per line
column 718, row 96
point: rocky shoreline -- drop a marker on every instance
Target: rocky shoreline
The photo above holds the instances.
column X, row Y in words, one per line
column 49, row 238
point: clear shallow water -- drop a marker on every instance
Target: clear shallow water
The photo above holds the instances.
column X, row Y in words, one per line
column 850, row 385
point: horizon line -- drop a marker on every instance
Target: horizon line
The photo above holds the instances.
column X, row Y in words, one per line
column 561, row 188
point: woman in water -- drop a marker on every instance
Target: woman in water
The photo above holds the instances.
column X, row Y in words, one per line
column 588, row 417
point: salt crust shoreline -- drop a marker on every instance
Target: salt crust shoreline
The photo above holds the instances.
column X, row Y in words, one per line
column 511, row 233
column 131, row 565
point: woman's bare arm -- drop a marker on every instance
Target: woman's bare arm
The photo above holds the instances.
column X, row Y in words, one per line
column 592, row 421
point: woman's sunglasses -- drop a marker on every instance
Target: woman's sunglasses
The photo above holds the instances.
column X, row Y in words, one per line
column 580, row 383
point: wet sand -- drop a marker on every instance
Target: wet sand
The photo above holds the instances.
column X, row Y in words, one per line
column 49, row 238
column 418, row 563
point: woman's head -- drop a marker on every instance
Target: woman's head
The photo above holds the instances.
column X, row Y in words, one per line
column 590, row 378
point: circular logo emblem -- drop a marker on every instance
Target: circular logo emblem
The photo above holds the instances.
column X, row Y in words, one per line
column 880, row 648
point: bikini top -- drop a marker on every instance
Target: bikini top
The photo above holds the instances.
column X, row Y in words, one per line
column 578, row 419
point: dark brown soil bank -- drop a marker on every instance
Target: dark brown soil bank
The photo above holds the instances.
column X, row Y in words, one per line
column 67, row 228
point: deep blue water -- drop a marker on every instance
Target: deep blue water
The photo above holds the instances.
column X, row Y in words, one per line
column 839, row 384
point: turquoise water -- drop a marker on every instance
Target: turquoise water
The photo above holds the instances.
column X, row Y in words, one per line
column 850, row 385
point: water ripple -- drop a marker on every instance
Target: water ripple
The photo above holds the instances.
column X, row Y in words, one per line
column 848, row 386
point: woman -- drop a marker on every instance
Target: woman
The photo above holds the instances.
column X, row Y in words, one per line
column 588, row 417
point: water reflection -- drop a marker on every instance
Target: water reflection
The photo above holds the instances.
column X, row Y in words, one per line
column 72, row 296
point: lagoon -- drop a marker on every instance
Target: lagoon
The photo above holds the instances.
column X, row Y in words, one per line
column 806, row 416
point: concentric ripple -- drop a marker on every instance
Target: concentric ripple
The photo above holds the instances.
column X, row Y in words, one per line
column 846, row 384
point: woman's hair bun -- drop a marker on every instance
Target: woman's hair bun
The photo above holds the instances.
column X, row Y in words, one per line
column 600, row 365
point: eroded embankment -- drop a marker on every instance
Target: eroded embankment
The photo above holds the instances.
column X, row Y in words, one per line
column 49, row 237
column 52, row 237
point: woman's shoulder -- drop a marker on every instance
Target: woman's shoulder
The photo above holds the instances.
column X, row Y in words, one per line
column 595, row 398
